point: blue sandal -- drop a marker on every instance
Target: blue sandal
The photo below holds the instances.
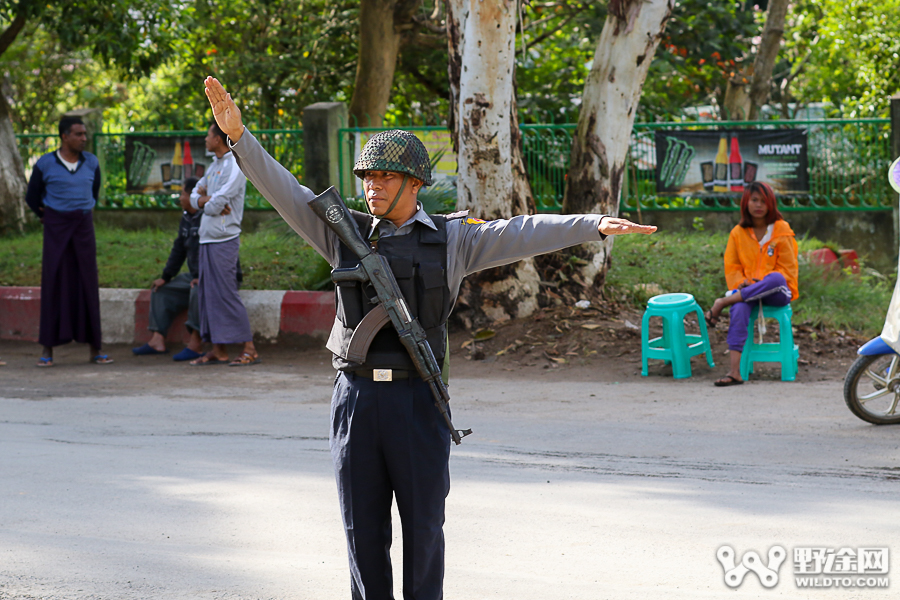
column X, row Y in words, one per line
column 45, row 361
column 102, row 359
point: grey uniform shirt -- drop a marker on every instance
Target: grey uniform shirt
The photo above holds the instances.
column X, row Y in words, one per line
column 472, row 245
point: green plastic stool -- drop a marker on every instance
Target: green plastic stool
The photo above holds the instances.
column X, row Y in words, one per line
column 674, row 346
column 785, row 351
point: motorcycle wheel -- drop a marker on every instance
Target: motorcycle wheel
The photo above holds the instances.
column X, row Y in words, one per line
column 872, row 388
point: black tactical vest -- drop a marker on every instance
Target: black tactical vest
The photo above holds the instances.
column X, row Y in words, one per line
column 419, row 263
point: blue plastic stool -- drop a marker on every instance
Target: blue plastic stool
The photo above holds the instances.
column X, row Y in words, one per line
column 785, row 351
column 674, row 346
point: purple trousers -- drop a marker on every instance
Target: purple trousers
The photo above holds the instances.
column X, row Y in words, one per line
column 223, row 317
column 772, row 290
column 70, row 292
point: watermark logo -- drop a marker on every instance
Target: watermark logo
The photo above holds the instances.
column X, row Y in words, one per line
column 814, row 567
column 751, row 561
column 841, row 567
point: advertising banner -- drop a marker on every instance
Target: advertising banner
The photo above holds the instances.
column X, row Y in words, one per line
column 159, row 165
column 716, row 163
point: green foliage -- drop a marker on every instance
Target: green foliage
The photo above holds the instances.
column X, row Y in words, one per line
column 676, row 262
column 75, row 53
column 704, row 43
column 644, row 266
column 553, row 58
column 849, row 52
column 275, row 57
column 840, row 300
column 439, row 198
column 143, row 62
column 132, row 259
column 134, row 36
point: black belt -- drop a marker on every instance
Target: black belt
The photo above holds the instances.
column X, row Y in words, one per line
column 394, row 373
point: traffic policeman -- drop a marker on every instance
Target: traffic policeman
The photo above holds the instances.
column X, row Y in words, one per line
column 387, row 438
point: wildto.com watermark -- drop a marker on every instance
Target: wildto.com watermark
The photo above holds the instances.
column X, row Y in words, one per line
column 813, row 566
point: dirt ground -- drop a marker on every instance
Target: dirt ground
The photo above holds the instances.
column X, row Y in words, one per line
column 606, row 344
column 555, row 344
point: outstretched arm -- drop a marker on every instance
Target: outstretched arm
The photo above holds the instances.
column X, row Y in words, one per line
column 481, row 245
column 273, row 181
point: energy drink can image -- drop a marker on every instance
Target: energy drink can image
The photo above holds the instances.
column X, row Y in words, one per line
column 707, row 169
column 750, row 169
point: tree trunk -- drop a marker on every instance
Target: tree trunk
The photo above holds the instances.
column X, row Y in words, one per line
column 10, row 34
column 382, row 24
column 765, row 58
column 12, row 176
column 612, row 91
column 492, row 183
column 748, row 90
column 737, row 99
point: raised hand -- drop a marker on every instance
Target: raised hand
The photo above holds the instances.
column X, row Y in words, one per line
column 617, row 226
column 225, row 111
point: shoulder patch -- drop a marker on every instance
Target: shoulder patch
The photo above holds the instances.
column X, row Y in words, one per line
column 474, row 221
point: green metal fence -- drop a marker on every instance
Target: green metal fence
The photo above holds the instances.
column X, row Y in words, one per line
column 286, row 145
column 546, row 150
column 848, row 160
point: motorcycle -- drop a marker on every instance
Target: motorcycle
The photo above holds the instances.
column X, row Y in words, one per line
column 872, row 385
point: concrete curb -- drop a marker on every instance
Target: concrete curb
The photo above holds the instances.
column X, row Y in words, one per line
column 274, row 315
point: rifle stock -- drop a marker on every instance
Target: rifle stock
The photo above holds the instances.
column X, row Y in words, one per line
column 374, row 269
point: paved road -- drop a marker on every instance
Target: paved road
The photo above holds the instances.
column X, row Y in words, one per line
column 149, row 480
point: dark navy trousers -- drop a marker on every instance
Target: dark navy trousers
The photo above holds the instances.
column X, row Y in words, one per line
column 388, row 440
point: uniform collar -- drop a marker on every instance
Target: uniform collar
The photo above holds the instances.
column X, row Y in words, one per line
column 420, row 216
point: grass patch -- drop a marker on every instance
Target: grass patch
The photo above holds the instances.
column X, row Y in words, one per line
column 643, row 266
column 133, row 259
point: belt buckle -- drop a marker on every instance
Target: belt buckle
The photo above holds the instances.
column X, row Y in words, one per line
column 382, row 375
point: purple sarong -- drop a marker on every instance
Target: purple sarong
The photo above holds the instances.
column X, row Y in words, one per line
column 70, row 292
column 223, row 317
column 772, row 290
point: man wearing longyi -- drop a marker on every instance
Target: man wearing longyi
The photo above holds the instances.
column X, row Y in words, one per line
column 388, row 439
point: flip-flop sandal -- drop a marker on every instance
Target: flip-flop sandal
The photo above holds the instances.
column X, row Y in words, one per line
column 186, row 354
column 147, row 349
column 102, row 359
column 727, row 381
column 203, row 361
column 45, row 362
column 244, row 360
column 709, row 320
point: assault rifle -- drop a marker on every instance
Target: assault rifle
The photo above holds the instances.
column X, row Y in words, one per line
column 374, row 269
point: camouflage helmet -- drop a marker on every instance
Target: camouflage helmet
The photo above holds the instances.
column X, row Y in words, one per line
column 395, row 150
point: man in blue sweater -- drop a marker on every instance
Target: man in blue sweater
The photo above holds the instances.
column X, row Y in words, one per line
column 62, row 192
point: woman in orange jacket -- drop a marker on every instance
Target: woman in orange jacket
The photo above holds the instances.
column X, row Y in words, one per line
column 760, row 265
